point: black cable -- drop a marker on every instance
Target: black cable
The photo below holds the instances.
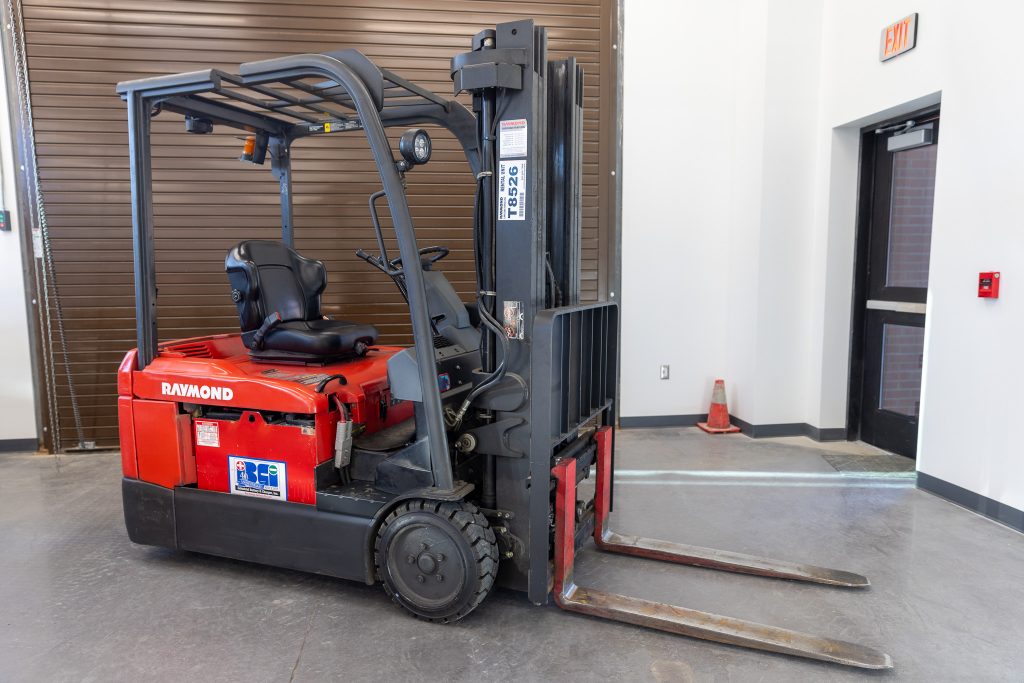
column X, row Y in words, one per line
column 485, row 315
column 494, row 377
column 487, row 319
column 327, row 380
column 498, row 114
column 556, row 291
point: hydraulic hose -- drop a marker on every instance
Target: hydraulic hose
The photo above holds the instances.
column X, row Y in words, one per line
column 487, row 319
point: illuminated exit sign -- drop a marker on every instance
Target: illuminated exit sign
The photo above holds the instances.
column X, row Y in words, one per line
column 898, row 37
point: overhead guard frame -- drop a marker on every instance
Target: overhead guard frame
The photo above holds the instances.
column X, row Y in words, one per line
column 349, row 91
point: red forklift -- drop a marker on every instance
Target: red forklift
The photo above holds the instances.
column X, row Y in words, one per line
column 442, row 469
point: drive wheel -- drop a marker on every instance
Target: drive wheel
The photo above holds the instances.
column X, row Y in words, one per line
column 437, row 560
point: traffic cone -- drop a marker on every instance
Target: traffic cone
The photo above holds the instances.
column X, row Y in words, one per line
column 718, row 414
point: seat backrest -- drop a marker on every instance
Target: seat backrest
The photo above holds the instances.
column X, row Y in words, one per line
column 268, row 277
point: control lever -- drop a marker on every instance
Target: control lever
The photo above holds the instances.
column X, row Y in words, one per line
column 374, row 261
column 381, row 264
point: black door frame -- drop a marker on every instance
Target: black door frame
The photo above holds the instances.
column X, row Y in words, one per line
column 862, row 257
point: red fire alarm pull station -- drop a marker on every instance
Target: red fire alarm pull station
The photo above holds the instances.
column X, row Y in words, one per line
column 988, row 285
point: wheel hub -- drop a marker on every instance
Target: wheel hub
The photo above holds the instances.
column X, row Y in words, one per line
column 427, row 571
column 427, row 563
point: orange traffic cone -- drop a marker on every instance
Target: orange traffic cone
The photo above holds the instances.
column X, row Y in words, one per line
column 718, row 415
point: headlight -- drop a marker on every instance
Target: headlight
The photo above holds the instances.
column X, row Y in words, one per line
column 415, row 146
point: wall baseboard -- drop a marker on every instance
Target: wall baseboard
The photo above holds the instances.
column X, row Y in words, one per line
column 751, row 430
column 769, row 430
column 827, row 433
column 19, row 445
column 661, row 421
column 993, row 509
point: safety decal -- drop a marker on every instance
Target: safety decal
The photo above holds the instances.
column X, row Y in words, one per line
column 207, row 434
column 513, row 138
column 258, row 478
column 514, row 317
column 512, row 190
column 336, row 126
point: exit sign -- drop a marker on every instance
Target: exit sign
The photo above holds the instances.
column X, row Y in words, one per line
column 898, row 37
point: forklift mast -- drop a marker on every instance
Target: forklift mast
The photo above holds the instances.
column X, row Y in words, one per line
column 559, row 356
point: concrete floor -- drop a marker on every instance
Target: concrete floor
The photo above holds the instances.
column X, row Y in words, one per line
column 79, row 602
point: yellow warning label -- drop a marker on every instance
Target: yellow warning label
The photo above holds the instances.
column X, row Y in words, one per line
column 327, row 128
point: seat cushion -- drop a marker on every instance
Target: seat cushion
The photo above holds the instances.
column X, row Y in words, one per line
column 321, row 338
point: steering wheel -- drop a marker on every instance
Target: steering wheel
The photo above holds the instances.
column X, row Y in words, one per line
column 433, row 254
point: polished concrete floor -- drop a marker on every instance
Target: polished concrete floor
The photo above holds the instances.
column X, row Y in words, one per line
column 79, row 602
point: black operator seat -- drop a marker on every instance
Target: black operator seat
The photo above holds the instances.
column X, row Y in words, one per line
column 277, row 293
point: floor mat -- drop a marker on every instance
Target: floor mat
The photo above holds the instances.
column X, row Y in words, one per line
column 884, row 462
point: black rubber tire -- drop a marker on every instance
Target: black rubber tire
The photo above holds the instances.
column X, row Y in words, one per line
column 469, row 562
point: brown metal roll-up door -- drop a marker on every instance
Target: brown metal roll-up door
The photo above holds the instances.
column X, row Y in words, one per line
column 205, row 200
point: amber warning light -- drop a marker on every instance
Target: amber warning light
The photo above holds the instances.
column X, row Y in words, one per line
column 248, row 149
column 254, row 149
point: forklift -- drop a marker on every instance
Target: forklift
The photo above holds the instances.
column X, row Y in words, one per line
column 441, row 469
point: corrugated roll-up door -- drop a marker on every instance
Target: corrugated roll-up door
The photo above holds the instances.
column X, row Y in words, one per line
column 206, row 201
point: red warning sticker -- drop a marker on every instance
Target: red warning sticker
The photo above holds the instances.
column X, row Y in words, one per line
column 207, row 434
column 513, row 138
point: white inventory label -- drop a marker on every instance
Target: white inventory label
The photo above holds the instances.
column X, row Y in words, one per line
column 207, row 434
column 512, row 190
column 258, row 478
column 513, row 138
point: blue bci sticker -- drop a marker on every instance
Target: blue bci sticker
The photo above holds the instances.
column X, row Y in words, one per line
column 444, row 381
column 258, row 478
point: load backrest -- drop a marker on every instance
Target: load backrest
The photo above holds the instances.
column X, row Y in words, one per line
column 268, row 277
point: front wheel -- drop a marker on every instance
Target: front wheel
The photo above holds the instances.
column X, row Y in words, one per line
column 437, row 560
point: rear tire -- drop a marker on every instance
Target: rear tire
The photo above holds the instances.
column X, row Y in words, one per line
column 437, row 560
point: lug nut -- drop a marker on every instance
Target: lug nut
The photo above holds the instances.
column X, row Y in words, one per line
column 440, row 578
column 440, row 557
column 419, row 577
column 411, row 559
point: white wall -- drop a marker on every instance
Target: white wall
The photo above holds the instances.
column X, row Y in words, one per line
column 677, row 159
column 714, row 179
column 783, row 289
column 17, row 394
column 761, row 211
